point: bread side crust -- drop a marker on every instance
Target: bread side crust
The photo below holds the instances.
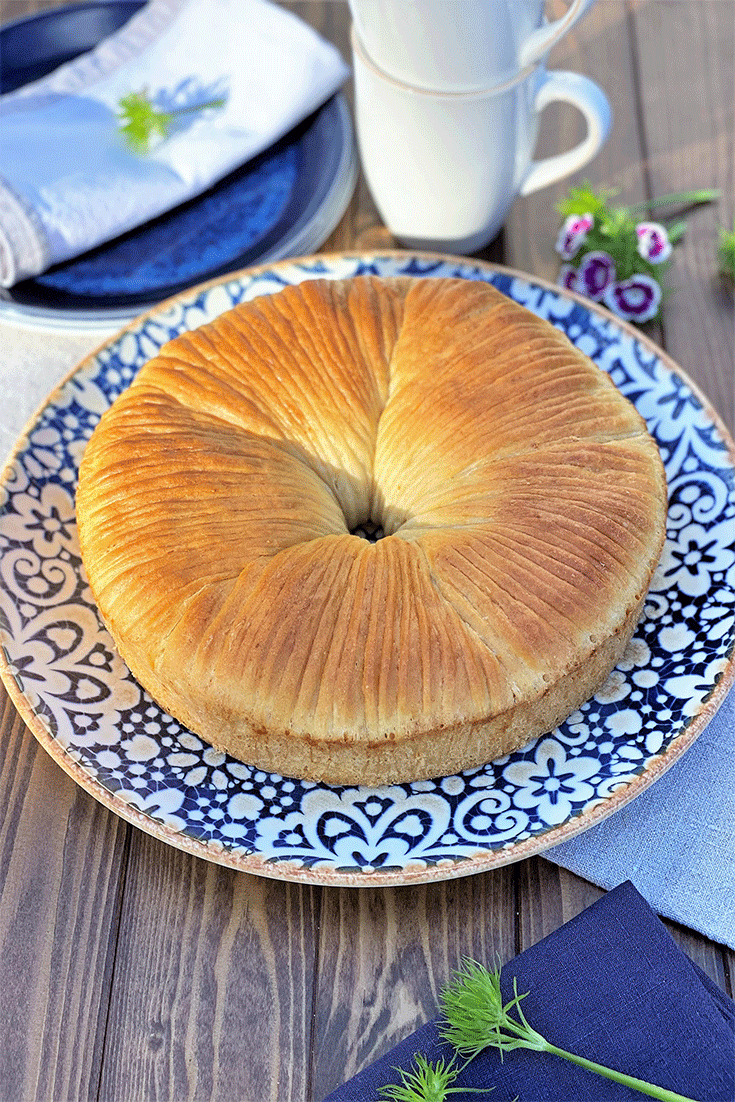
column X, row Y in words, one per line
column 429, row 754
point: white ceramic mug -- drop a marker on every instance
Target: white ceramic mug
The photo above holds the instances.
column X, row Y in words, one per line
column 444, row 168
column 458, row 45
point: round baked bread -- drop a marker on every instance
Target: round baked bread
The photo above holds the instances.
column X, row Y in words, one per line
column 523, row 504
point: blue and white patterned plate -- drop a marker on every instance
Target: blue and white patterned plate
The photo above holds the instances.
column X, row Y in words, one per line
column 66, row 679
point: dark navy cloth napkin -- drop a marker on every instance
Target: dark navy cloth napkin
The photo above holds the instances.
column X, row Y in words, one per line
column 610, row 985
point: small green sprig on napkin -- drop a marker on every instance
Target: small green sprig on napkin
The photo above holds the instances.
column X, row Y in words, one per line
column 140, row 121
column 475, row 1018
column 614, row 255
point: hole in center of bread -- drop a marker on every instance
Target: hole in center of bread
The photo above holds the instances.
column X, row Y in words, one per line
column 369, row 530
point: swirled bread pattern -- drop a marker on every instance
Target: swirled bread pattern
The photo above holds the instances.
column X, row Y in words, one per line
column 522, row 499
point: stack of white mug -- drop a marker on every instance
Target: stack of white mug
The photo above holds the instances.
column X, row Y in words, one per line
column 448, row 99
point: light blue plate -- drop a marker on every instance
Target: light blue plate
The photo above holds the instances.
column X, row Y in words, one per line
column 64, row 675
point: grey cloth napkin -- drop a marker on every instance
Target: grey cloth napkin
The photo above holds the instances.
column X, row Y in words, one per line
column 676, row 841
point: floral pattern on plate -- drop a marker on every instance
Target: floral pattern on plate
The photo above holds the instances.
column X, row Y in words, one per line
column 69, row 683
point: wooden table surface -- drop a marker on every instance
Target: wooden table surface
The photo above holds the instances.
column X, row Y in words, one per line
column 132, row 971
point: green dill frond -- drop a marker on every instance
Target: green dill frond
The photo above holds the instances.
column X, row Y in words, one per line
column 476, row 1017
column 426, row 1082
column 139, row 121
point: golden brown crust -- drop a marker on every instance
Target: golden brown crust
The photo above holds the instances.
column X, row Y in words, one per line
column 523, row 500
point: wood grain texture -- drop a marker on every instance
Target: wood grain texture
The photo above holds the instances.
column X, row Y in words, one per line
column 689, row 141
column 549, row 896
column 380, row 976
column 19, row 9
column 213, row 983
column 62, row 859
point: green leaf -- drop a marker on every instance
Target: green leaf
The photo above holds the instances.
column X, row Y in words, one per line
column 680, row 199
column 676, row 231
column 726, row 253
column 583, row 199
column 140, row 121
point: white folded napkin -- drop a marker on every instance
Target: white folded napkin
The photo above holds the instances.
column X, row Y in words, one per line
column 68, row 179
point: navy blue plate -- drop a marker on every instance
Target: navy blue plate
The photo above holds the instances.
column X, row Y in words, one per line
column 285, row 202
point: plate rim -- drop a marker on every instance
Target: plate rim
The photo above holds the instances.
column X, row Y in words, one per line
column 414, row 872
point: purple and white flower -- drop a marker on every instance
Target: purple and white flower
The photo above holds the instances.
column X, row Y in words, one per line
column 567, row 278
column 596, row 274
column 653, row 242
column 572, row 235
column 635, row 299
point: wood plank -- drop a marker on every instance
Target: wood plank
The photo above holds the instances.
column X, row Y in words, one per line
column 11, row 10
column 61, row 870
column 689, row 140
column 213, row 983
column 548, row 897
column 661, row 142
column 386, row 953
column 599, row 47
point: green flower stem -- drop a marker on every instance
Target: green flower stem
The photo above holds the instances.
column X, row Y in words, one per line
column 726, row 252
column 682, row 198
column 641, row 1085
column 476, row 1018
column 676, row 231
column 192, row 108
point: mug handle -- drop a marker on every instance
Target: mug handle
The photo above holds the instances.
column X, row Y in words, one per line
column 589, row 98
column 541, row 41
